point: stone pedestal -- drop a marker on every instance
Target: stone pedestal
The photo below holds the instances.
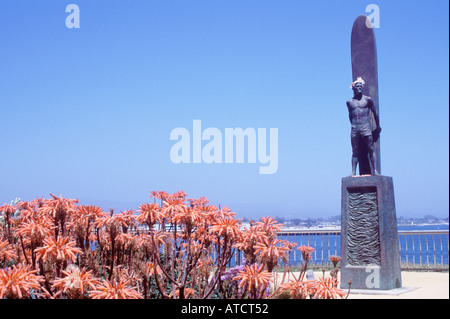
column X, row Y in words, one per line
column 369, row 238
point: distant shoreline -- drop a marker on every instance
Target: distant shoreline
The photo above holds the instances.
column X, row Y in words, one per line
column 423, row 224
column 338, row 227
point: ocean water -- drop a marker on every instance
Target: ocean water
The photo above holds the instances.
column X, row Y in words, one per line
column 423, row 227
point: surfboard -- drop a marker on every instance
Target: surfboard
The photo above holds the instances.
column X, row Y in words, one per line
column 364, row 64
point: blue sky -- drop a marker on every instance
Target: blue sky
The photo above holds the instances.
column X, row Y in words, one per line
column 87, row 113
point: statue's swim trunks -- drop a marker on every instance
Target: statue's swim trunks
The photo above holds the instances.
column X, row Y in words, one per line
column 361, row 130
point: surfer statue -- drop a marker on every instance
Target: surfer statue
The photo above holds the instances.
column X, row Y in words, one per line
column 362, row 137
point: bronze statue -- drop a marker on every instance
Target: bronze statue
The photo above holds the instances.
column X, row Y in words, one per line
column 359, row 108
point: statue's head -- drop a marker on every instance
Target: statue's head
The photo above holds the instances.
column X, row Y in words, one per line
column 358, row 85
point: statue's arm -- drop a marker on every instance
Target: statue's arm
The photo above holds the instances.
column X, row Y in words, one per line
column 375, row 113
column 349, row 111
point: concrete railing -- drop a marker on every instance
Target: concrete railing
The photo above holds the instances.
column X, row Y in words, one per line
column 418, row 249
column 424, row 248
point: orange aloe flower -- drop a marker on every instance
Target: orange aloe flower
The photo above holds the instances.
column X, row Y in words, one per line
column 253, row 277
column 60, row 249
column 115, row 290
column 8, row 209
column 6, row 252
column 53, row 206
column 179, row 194
column 209, row 212
column 17, row 282
column 112, row 222
column 202, row 201
column 172, row 206
column 75, row 280
column 125, row 239
column 149, row 213
column 152, row 269
column 32, row 211
column 27, row 210
column 250, row 236
column 222, row 212
column 227, row 227
column 160, row 195
column 86, row 213
column 269, row 225
column 306, row 252
column 334, row 259
column 34, row 231
column 127, row 216
column 299, row 289
column 269, row 249
column 327, row 289
column 188, row 216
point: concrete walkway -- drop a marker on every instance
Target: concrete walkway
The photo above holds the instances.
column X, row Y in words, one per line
column 416, row 285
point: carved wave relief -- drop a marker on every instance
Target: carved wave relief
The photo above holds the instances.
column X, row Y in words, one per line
column 363, row 240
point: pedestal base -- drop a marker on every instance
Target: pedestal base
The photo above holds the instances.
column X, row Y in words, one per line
column 369, row 237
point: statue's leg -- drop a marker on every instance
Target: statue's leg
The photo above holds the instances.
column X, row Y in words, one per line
column 355, row 142
column 372, row 154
